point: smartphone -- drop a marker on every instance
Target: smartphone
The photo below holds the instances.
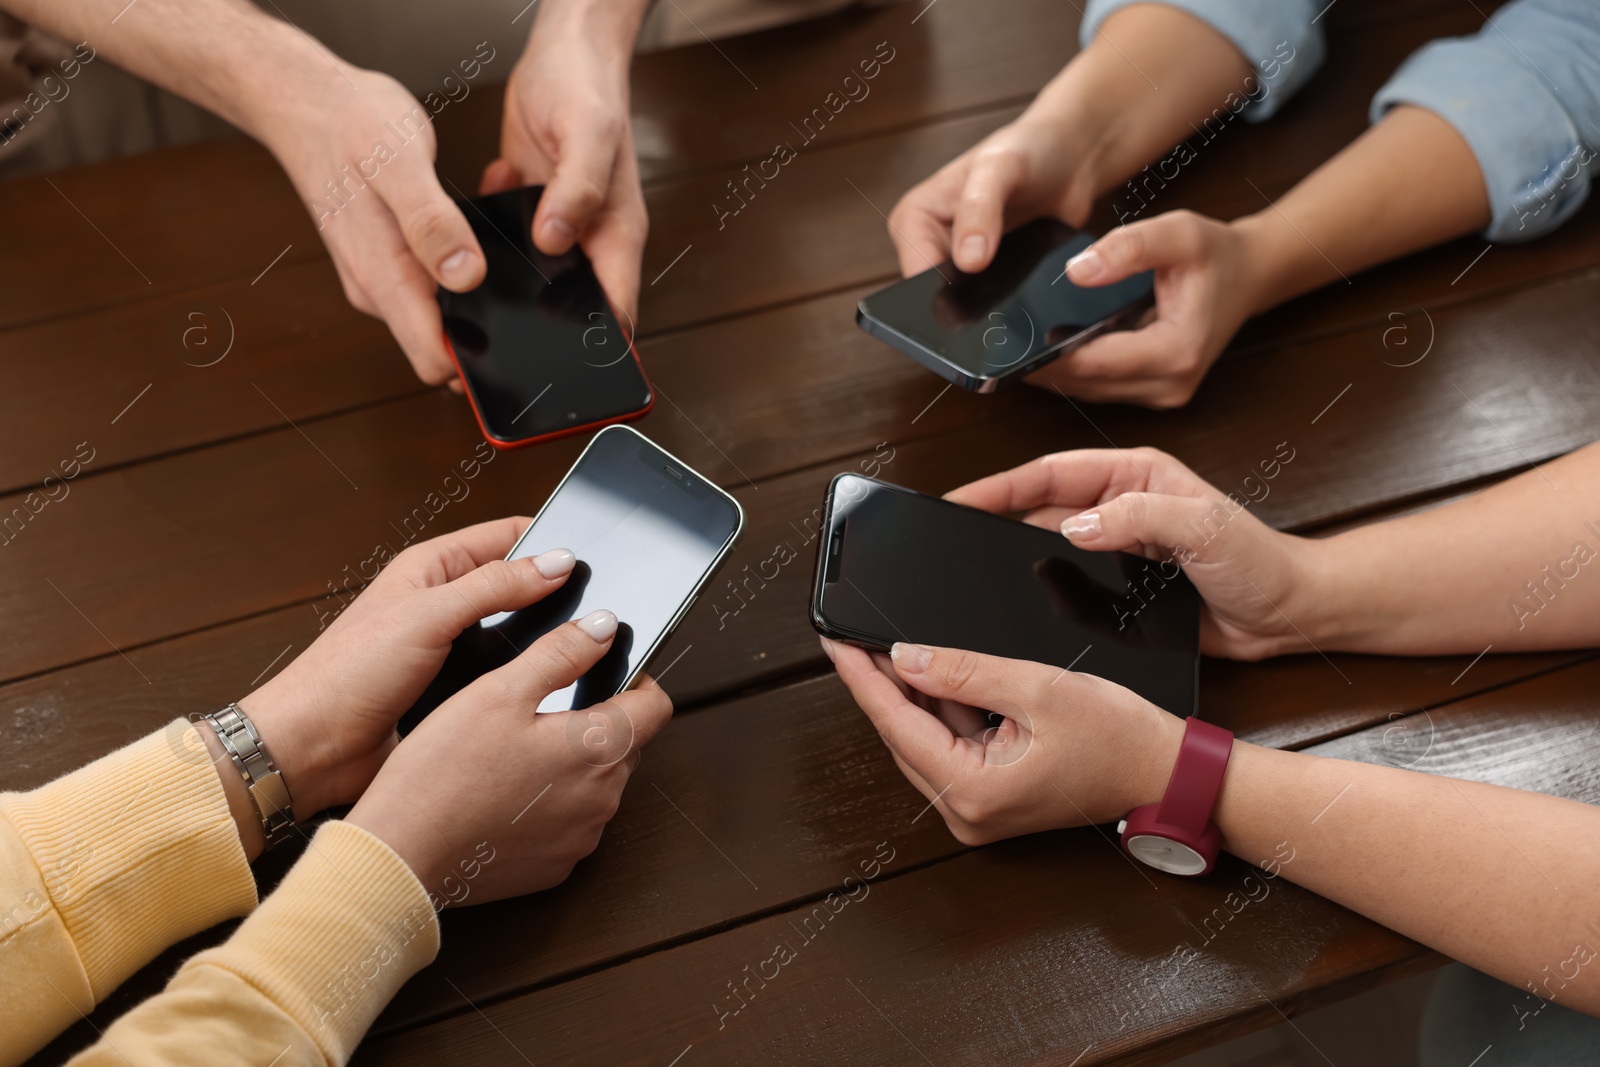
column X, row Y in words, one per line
column 988, row 329
column 896, row 565
column 648, row 531
column 538, row 348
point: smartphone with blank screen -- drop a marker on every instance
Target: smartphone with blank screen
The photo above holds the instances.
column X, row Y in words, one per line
column 538, row 348
column 988, row 329
column 896, row 565
column 648, row 531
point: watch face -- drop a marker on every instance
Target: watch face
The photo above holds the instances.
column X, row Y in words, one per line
column 1165, row 854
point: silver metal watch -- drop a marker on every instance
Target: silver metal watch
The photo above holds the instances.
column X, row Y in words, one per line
column 262, row 780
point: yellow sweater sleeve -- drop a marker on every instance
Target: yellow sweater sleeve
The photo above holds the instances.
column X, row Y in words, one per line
column 102, row 869
column 301, row 980
column 106, row 867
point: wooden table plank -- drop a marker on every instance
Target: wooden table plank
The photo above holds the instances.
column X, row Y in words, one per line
column 1019, row 974
column 1457, row 416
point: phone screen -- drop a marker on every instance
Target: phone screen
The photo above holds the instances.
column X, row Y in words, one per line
column 647, row 530
column 539, row 349
column 900, row 566
column 1017, row 309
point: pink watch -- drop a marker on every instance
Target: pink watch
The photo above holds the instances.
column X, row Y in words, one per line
column 1177, row 835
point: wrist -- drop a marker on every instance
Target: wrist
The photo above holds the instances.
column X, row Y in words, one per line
column 304, row 762
column 1155, row 757
column 613, row 24
column 245, row 816
column 283, row 82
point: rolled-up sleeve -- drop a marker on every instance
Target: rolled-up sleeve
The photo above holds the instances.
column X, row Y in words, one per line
column 1280, row 38
column 1524, row 93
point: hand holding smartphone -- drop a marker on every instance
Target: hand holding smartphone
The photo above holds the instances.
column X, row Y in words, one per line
column 648, row 532
column 896, row 565
column 989, row 329
column 539, row 351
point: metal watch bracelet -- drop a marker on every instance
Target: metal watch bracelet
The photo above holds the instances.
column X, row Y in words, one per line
column 262, row 780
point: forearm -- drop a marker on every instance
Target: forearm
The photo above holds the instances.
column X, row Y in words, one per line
column 1407, row 183
column 1513, row 566
column 224, row 55
column 614, row 24
column 1501, row 879
column 1149, row 75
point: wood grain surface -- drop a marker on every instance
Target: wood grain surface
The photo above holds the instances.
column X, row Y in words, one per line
column 252, row 439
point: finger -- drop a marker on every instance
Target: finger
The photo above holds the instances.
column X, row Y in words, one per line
column 435, row 229
column 1139, row 246
column 1186, row 525
column 616, row 245
column 1008, row 686
column 577, row 190
column 980, row 212
column 499, row 176
column 404, row 293
column 647, row 707
column 919, row 225
column 1074, row 479
column 501, row 585
column 559, row 658
column 449, row 556
column 918, row 738
column 1157, row 350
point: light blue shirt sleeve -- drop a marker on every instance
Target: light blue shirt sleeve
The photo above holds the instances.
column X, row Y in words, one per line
column 1524, row 93
column 1280, row 38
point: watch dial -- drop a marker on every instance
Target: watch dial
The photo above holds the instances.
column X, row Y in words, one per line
column 1168, row 855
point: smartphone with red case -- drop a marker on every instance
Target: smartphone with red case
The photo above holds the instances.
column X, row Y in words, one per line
column 537, row 345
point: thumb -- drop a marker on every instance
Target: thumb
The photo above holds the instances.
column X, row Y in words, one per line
column 499, row 585
column 980, row 212
column 1185, row 525
column 1009, row 686
column 1159, row 242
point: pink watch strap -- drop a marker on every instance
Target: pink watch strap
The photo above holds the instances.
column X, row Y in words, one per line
column 1196, row 778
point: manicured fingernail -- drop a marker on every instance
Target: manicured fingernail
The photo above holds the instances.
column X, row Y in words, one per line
column 827, row 647
column 1082, row 527
column 912, row 659
column 1086, row 266
column 554, row 563
column 558, row 230
column 599, row 625
column 457, row 267
column 972, row 246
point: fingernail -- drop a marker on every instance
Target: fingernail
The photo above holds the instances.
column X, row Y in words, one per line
column 559, row 231
column 912, row 659
column 972, row 246
column 827, row 647
column 554, row 563
column 457, row 267
column 599, row 625
column 1086, row 266
column 1082, row 527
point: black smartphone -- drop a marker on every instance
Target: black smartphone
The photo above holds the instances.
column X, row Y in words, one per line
column 538, row 348
column 988, row 329
column 648, row 531
column 896, row 565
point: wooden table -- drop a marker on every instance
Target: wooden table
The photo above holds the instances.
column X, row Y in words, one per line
column 192, row 554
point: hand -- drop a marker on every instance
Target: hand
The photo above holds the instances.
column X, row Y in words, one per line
column 486, row 799
column 1205, row 288
column 1021, row 171
column 1260, row 586
column 391, row 230
column 567, row 125
column 328, row 718
column 1072, row 750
